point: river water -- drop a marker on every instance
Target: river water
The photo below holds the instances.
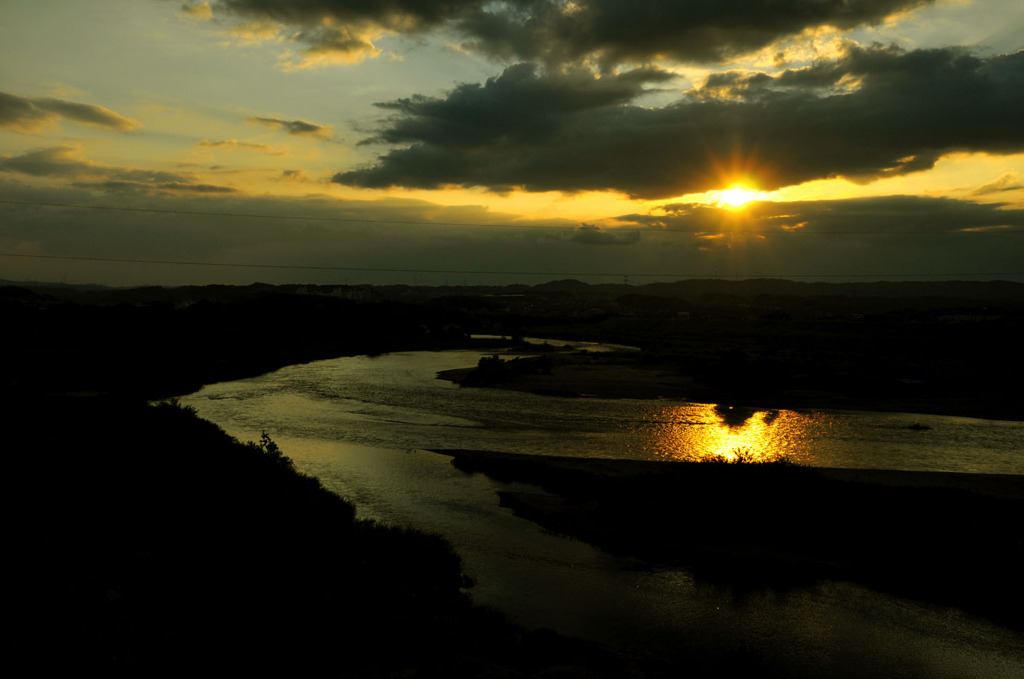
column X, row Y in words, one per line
column 364, row 425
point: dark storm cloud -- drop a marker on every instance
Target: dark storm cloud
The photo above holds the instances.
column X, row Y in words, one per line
column 30, row 114
column 616, row 31
column 518, row 107
column 556, row 31
column 396, row 14
column 67, row 163
column 872, row 113
column 297, row 127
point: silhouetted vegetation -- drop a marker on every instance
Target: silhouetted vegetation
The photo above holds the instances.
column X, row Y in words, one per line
column 154, row 544
column 163, row 343
column 492, row 370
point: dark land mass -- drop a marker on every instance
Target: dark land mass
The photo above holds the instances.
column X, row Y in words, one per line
column 942, row 538
column 149, row 542
column 930, row 354
column 944, row 347
column 156, row 343
column 730, row 379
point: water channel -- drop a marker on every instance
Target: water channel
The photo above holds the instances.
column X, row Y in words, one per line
column 364, row 426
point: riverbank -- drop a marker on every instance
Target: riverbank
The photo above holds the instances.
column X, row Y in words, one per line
column 585, row 376
column 945, row 539
column 630, row 375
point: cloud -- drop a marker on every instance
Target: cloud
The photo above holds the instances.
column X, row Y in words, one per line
column 233, row 144
column 854, row 218
column 255, row 32
column 1011, row 181
column 172, row 187
column 296, row 127
column 558, row 32
column 31, row 114
column 518, row 106
column 869, row 114
column 325, row 44
column 329, row 44
column 58, row 161
column 899, row 235
column 589, row 234
column 69, row 164
column 395, row 15
column 294, row 176
column 198, row 10
column 874, row 237
column 621, row 31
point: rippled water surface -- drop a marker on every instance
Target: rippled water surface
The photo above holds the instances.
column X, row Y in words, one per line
column 363, row 426
column 395, row 400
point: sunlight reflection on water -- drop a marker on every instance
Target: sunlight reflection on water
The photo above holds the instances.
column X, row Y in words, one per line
column 702, row 431
column 705, row 431
column 396, row 401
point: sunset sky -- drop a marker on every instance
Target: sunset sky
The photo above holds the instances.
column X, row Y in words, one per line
column 478, row 142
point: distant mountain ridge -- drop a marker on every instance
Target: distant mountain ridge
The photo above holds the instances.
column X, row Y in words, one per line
column 690, row 289
column 693, row 288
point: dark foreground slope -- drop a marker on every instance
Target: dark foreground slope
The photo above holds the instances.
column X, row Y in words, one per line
column 149, row 542
column 157, row 343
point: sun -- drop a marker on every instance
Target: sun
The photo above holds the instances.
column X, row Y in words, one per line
column 736, row 196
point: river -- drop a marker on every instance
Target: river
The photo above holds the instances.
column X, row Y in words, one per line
column 364, row 425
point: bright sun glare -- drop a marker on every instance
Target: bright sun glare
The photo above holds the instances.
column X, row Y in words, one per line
column 736, row 196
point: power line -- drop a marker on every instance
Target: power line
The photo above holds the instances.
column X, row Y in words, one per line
column 575, row 274
column 653, row 230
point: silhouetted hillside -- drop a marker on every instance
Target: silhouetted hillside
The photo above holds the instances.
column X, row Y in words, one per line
column 159, row 342
column 149, row 543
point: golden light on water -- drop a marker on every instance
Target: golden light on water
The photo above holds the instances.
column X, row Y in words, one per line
column 697, row 431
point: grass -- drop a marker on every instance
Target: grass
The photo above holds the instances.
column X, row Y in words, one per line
column 743, row 455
